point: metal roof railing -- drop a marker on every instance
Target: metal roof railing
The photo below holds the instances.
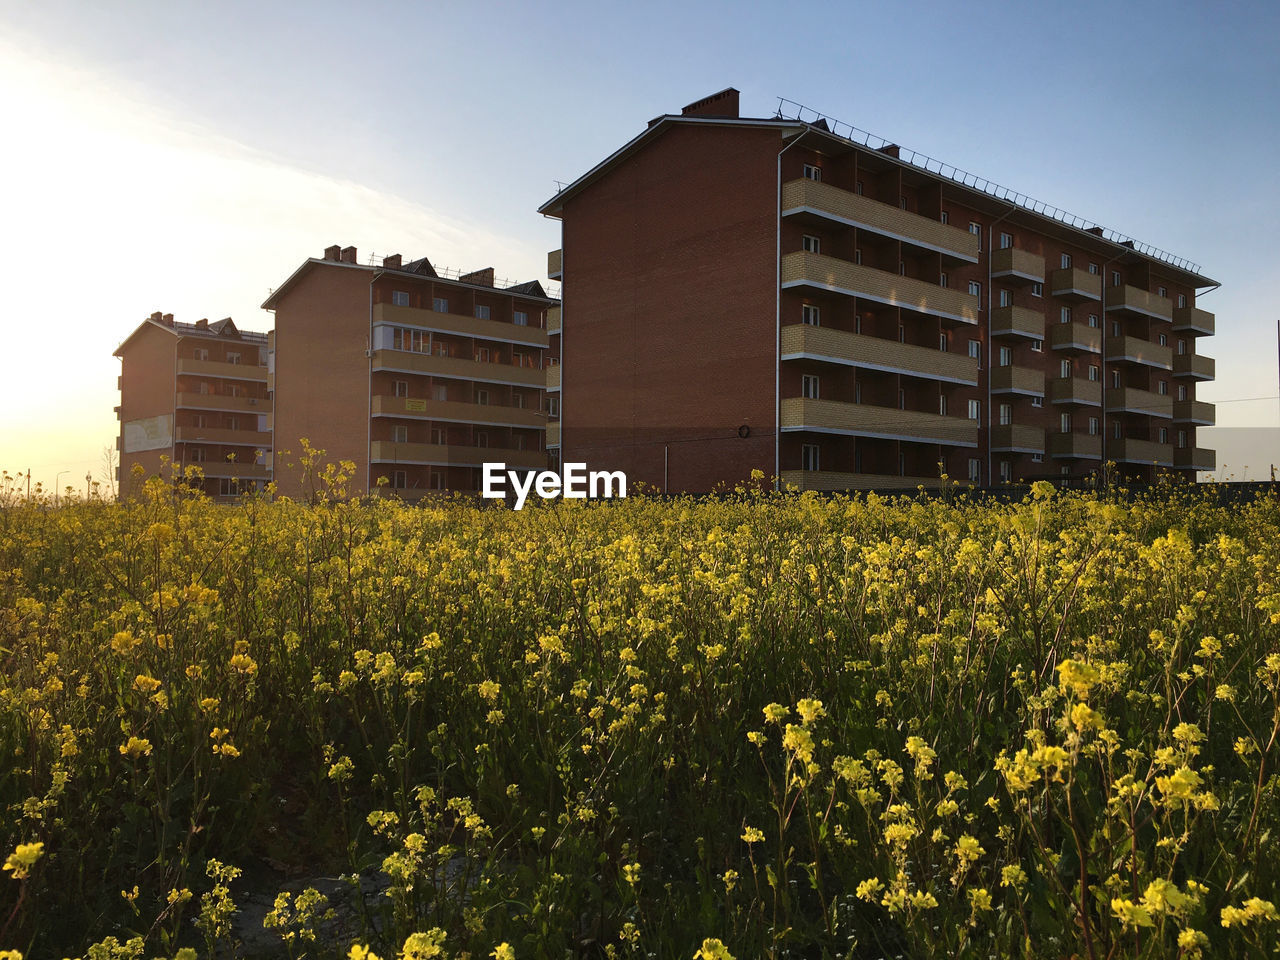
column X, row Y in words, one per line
column 551, row 287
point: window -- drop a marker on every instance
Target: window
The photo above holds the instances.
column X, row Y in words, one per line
column 440, row 392
column 1066, row 261
column 1037, row 458
column 201, row 353
column 975, row 350
column 439, row 304
column 1037, row 401
column 520, row 318
column 902, row 334
column 809, row 387
column 1037, row 346
column 809, row 456
column 482, row 354
column 975, row 409
column 233, row 357
column 943, row 343
column 400, row 433
column 402, row 388
column 400, row 298
column 942, row 279
column 519, row 441
column 1182, row 439
column 1182, row 391
column 1115, row 430
column 202, row 387
column 553, row 406
column 1164, row 434
column 234, row 391
column 400, row 479
column 482, row 397
column 1093, row 269
column 1006, row 298
column 857, row 257
column 811, row 314
column 482, row 312
column 1006, row 356
column 1162, row 388
column 1163, row 340
column 1162, row 291
column 857, row 188
column 1095, row 372
column 196, row 454
column 857, row 393
column 1115, row 379
column 1037, row 289
column 975, row 470
column 1115, row 328
column 1006, row 241
column 482, row 438
column 1115, row 278
column 1064, row 315
column 857, row 324
column 902, row 399
column 1094, row 424
column 199, row 421
column 438, row 436
column 1064, row 369
column 1006, row 471
column 233, row 423
column 902, row 203
column 1182, row 348
column 942, row 404
column 812, row 172
column 976, row 230
column 902, row 268
column 1093, row 320
column 975, row 288
column 518, row 359
column 811, row 244
column 437, row 480
column 945, row 217
column 1006, row 414
column 517, row 400
column 1064, row 423
column 1182, row 299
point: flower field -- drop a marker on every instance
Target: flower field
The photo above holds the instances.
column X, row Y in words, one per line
column 757, row 726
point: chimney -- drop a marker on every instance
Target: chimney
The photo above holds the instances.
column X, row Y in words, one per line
column 168, row 319
column 1096, row 231
column 158, row 317
column 333, row 253
column 392, row 262
column 889, row 149
column 722, row 104
column 348, row 254
column 481, row 278
column 202, row 323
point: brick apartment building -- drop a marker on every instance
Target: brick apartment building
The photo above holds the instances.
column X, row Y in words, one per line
column 415, row 377
column 768, row 293
column 195, row 395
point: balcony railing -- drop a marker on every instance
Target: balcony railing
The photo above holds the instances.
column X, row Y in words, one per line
column 434, row 454
column 865, row 420
column 827, row 273
column 1076, row 337
column 833, row 480
column 1017, row 438
column 260, row 440
column 802, row 341
column 555, row 264
column 1075, row 446
column 1193, row 320
column 1017, row 322
column 1131, row 400
column 553, row 320
column 1075, row 390
column 1127, row 299
column 1144, row 352
column 1140, row 451
column 1194, row 411
column 189, row 367
column 1013, row 265
column 1072, row 283
column 464, row 326
column 1194, row 365
column 457, row 411
column 214, row 401
column 1195, row 458
column 1023, row 380
column 806, row 196
column 403, row 361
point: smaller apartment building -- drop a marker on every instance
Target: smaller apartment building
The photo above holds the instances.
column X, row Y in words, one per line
column 195, row 395
column 415, row 377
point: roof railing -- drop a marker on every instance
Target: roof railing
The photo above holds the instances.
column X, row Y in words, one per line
column 500, row 284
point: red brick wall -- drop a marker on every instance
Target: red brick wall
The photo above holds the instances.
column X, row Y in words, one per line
column 147, row 372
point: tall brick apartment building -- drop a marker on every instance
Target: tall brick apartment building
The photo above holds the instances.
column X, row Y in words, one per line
column 767, row 293
column 195, row 395
column 415, row 377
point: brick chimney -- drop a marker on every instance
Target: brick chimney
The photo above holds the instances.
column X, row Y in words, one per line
column 158, row 317
column 202, row 323
column 333, row 253
column 168, row 319
column 348, row 254
column 392, row 262
column 722, row 104
column 481, row 278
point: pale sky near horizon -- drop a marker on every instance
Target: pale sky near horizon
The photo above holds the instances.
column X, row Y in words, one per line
column 187, row 158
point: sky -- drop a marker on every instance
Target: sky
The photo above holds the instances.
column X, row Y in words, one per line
column 188, row 157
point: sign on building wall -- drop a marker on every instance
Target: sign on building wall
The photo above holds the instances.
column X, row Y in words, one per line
column 153, row 433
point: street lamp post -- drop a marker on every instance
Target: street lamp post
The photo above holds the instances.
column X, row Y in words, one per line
column 56, row 481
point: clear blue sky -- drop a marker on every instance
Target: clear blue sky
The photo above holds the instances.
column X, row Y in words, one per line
column 188, row 157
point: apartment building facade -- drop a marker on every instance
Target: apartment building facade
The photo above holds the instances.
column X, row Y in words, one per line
column 415, row 376
column 195, row 395
column 767, row 293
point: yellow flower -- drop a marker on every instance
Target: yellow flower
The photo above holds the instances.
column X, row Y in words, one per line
column 243, row 663
column 810, row 710
column 775, row 713
column 1013, row 876
column 503, row 951
column 968, row 849
column 23, row 858
column 1253, row 910
column 868, row 889
column 1084, row 717
column 712, row 949
column 488, row 690
column 360, row 952
column 752, row 835
column 136, row 747
column 124, row 641
column 1078, row 676
column 1130, row 914
column 631, row 873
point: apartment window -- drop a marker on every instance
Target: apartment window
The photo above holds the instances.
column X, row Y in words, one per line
column 1064, row 315
column 517, row 400
column 482, row 438
column 482, row 354
column 199, row 420
column 942, row 404
column 202, row 387
column 975, row 350
column 1064, row 470
column 1163, row 340
column 1093, row 320
column 1182, row 391
column 437, row 480
column 201, row 353
column 441, row 350
column 1066, row 261
column 857, row 257
column 812, row 172
column 857, row 393
column 195, row 455
column 1006, row 356
column 1182, row 439
column 1006, row 471
column 943, row 344
column 1064, row 369
column 233, row 423
column 857, row 324
column 400, row 433
column 1006, row 298
column 518, row 441
column 1115, row 430
column 400, row 298
column 857, row 187
column 439, row 304
column 809, row 387
column 902, row 203
column 1094, row 425
column 811, row 314
column 975, row 470
column 1093, row 269
column 809, row 456
column 1115, row 278
column 520, row 318
column 402, row 388
column 234, row 391
column 1162, row 291
column 945, row 217
column 1006, row 241
column 438, row 436
column 1037, row 401
column 902, row 399
column 1164, row 434
column 1162, row 388
column 1182, row 299
column 481, row 312
column 1037, row 289
column 811, row 244
column 553, row 406
column 1115, row 328
column 975, row 228
column 440, row 392
column 518, row 359
column 975, row 409
column 1064, row 423
column 400, row 479
column 1095, row 372
column 902, row 334
column 233, row 358
column 1037, row 458
column 1037, row 346
column 482, row 397
column 1182, row 347
column 942, row 279
column 902, row 464
column 1006, row 414
column 975, row 288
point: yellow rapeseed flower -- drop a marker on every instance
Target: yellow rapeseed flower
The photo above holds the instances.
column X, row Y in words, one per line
column 23, row 858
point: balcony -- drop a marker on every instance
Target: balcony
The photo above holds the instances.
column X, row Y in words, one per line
column 1073, row 283
column 1143, row 352
column 1194, row 411
column 555, row 265
column 1075, row 390
column 888, row 423
column 803, row 269
column 1075, row 338
column 188, row 367
column 553, row 434
column 449, row 455
column 455, row 323
column 1144, row 402
column 552, row 378
column 1194, row 366
column 403, row 361
column 456, row 411
column 553, row 320
column 1075, row 446
column 249, row 438
column 1127, row 299
column 1140, row 451
column 1193, row 320
column 1017, row 438
column 816, row 199
column 213, row 401
column 226, row 468
column 1017, row 322
column 801, row 341
column 1017, row 266
column 1021, row 380
column 1195, row 458
column 831, row 480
